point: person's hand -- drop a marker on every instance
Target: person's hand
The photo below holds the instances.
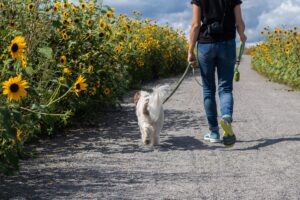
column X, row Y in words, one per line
column 192, row 59
column 243, row 38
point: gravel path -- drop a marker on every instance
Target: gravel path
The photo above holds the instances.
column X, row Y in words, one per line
column 107, row 161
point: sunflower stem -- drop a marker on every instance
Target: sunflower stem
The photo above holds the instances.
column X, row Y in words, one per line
column 58, row 99
column 41, row 113
column 55, row 93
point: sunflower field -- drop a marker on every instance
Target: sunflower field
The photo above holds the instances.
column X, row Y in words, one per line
column 278, row 57
column 59, row 58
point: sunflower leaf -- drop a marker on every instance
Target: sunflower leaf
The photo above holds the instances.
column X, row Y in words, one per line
column 46, row 51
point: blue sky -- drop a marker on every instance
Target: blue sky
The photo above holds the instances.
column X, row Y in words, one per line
column 257, row 13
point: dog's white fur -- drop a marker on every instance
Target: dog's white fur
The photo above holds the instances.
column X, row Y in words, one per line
column 150, row 114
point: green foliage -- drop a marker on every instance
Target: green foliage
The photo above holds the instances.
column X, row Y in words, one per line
column 56, row 58
column 278, row 57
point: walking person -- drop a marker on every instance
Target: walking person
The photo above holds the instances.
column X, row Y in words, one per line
column 213, row 29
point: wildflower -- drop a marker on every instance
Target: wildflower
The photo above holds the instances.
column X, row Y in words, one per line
column 15, row 87
column 83, row 6
column 109, row 14
column 106, row 91
column 63, row 60
column 67, row 71
column 17, row 47
column 56, row 6
column 30, row 6
column 12, row 25
column 90, row 23
column 80, row 85
column 102, row 24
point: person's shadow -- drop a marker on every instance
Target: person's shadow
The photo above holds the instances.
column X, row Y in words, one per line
column 265, row 142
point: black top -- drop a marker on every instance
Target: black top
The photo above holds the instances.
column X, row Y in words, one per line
column 212, row 11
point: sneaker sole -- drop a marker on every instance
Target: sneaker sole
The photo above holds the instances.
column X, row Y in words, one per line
column 226, row 128
column 212, row 140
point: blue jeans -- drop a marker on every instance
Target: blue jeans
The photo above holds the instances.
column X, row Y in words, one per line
column 220, row 56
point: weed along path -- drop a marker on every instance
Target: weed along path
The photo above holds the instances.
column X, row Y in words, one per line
column 107, row 160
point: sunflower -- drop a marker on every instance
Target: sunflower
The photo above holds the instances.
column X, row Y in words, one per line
column 102, row 24
column 101, row 34
column 93, row 91
column 109, row 14
column 63, row 60
column 287, row 50
column 277, row 39
column 2, row 57
column 65, row 37
column 75, row 9
column 80, row 85
column 62, row 79
column 12, row 25
column 106, row 91
column 17, row 47
column 98, row 84
column 288, row 43
column 295, row 28
column 65, row 6
column 67, row 71
column 90, row 69
column 18, row 134
column 83, row 6
column 1, row 6
column 66, row 22
column 66, row 14
column 77, row 20
column 30, row 6
column 90, row 22
column 91, row 5
column 24, row 62
column 15, row 87
column 262, row 33
column 56, row 6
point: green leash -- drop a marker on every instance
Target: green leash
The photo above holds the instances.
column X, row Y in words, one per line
column 238, row 61
column 180, row 81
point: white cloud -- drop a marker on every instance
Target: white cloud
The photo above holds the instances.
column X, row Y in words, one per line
column 286, row 14
column 177, row 13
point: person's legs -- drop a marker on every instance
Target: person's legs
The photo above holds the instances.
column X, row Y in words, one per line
column 207, row 60
column 225, row 68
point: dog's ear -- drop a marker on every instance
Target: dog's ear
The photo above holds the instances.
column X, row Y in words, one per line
column 136, row 97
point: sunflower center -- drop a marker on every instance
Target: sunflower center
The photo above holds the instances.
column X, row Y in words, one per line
column 30, row 7
column 101, row 34
column 14, row 87
column 15, row 47
column 77, row 86
column 62, row 61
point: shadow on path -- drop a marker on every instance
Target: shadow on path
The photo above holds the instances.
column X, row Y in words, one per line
column 267, row 142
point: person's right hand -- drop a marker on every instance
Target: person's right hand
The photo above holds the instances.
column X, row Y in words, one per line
column 192, row 59
column 243, row 38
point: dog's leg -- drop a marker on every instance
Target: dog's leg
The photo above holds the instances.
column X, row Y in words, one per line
column 156, row 137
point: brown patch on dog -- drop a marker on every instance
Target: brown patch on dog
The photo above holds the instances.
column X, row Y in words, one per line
column 145, row 109
column 136, row 97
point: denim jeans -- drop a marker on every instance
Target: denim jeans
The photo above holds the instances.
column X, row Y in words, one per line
column 220, row 56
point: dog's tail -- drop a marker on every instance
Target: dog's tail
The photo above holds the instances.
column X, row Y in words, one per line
column 156, row 100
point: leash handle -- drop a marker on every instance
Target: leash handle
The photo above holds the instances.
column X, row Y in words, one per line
column 242, row 47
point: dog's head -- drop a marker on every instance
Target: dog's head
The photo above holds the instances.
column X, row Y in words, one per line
column 136, row 97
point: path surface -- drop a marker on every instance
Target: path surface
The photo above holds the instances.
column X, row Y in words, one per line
column 107, row 161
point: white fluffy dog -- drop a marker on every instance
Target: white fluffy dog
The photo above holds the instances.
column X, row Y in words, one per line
column 150, row 114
